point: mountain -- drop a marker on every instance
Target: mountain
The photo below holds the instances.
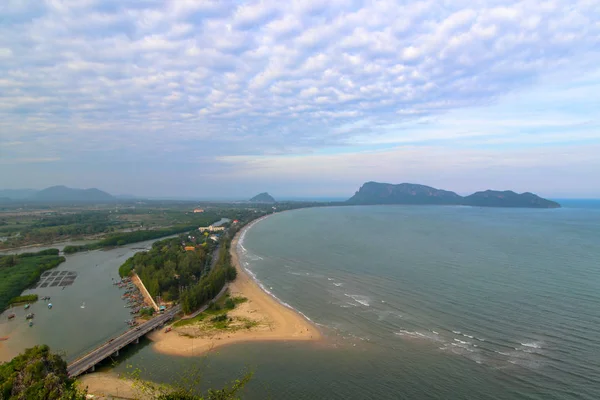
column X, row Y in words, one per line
column 409, row 193
column 62, row 194
column 17, row 194
column 404, row 193
column 508, row 198
column 263, row 198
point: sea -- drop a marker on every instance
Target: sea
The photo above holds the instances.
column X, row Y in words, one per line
column 416, row 302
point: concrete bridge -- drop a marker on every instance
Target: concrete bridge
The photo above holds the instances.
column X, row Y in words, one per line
column 110, row 348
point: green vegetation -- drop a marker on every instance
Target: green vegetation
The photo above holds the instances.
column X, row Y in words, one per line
column 113, row 225
column 37, row 374
column 216, row 318
column 167, row 268
column 18, row 272
column 210, row 284
column 28, row 298
column 121, row 239
column 147, row 312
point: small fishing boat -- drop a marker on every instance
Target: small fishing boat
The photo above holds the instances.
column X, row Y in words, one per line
column 49, row 305
column 83, row 305
column 27, row 306
column 30, row 316
column 11, row 316
column 30, row 323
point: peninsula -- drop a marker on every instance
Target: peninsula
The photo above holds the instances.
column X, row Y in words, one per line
column 410, row 193
column 257, row 317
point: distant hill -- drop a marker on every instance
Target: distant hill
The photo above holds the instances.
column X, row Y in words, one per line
column 17, row 194
column 404, row 193
column 61, row 194
column 508, row 198
column 263, row 198
column 409, row 193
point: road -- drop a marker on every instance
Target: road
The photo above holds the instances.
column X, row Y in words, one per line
column 107, row 349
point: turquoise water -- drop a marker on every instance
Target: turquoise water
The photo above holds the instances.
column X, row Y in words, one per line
column 422, row 302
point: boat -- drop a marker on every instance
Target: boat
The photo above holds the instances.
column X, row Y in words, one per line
column 30, row 323
column 11, row 316
column 83, row 305
column 49, row 305
column 27, row 306
column 30, row 316
column 3, row 338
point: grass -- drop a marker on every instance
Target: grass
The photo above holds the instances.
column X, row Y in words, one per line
column 220, row 320
column 28, row 298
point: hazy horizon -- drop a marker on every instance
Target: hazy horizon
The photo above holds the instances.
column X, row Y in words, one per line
column 226, row 99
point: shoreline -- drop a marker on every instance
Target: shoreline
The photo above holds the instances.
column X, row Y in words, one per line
column 274, row 320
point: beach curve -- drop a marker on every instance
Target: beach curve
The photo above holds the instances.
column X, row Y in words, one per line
column 276, row 321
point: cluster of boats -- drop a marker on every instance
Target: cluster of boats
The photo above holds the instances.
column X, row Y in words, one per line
column 132, row 296
column 29, row 317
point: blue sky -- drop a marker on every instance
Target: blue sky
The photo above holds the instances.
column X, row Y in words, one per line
column 201, row 98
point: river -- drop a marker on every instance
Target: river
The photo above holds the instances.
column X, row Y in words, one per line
column 83, row 315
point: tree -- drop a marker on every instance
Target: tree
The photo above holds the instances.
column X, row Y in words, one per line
column 37, row 374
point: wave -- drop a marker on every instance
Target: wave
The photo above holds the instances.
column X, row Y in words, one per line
column 533, row 345
column 364, row 300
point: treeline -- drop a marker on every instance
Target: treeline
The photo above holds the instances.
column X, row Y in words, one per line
column 60, row 227
column 124, row 238
column 20, row 271
column 167, row 267
column 210, row 284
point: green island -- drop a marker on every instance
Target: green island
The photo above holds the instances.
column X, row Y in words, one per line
column 18, row 272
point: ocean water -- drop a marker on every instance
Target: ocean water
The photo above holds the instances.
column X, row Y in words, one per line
column 421, row 303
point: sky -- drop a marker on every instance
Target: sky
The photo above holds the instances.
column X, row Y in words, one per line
column 300, row 98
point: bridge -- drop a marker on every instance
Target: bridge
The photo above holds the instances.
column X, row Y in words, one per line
column 111, row 348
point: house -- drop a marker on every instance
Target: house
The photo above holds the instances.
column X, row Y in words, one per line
column 214, row 238
column 189, row 248
column 235, row 221
column 198, row 210
column 211, row 228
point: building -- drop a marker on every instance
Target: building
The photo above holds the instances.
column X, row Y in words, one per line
column 235, row 221
column 189, row 248
column 211, row 228
column 214, row 238
column 198, row 210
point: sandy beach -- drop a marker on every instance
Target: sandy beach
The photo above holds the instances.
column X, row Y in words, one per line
column 271, row 321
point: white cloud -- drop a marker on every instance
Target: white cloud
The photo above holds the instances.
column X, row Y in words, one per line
column 129, row 74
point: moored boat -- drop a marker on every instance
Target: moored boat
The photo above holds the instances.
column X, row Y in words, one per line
column 27, row 306
column 30, row 316
column 49, row 305
column 11, row 316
